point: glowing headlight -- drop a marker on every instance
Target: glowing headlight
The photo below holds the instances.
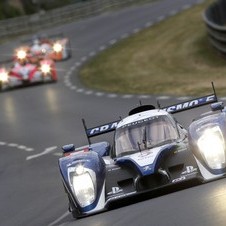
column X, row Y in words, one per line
column 83, row 188
column 45, row 68
column 21, row 54
column 44, row 51
column 212, row 147
column 79, row 169
column 57, row 47
column 3, row 76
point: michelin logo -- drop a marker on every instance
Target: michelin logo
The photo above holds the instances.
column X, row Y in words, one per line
column 191, row 104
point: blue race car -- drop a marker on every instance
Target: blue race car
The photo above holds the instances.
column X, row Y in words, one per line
column 151, row 151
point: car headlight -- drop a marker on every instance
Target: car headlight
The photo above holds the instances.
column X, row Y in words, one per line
column 82, row 184
column 21, row 54
column 3, row 76
column 212, row 147
column 45, row 68
column 57, row 47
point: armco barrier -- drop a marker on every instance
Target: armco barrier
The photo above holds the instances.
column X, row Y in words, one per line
column 215, row 19
column 26, row 24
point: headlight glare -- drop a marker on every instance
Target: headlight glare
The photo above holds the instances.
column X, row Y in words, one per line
column 57, row 47
column 79, row 169
column 21, row 54
column 3, row 76
column 212, row 147
column 83, row 188
column 45, row 68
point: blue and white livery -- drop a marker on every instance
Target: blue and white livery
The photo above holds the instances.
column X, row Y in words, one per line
column 150, row 152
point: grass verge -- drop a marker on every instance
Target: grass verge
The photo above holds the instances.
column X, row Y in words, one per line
column 173, row 57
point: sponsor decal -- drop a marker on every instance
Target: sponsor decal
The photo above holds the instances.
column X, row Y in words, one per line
column 191, row 104
column 147, row 168
column 139, row 122
column 115, row 190
column 144, row 153
column 102, row 129
column 189, row 170
column 145, row 157
column 179, row 179
column 123, row 195
column 113, row 169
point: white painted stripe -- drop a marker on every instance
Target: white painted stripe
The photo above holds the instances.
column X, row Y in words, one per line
column 29, row 149
column 127, row 96
column 149, row 24
column 73, row 67
column 47, row 151
column 67, row 83
column 136, row 30
column 22, row 147
column 92, row 54
column 173, row 12
column 125, row 36
column 160, row 18
column 99, row 94
column 144, row 96
column 88, row 92
column 77, row 63
column 163, row 97
column 80, row 90
column 183, row 98
column 2, row 143
column 73, row 87
column 186, row 7
column 112, row 95
column 12, row 145
column 113, row 41
column 84, row 59
column 59, row 219
column 102, row 48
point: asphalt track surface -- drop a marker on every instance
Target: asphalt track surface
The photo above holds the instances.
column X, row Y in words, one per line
column 36, row 121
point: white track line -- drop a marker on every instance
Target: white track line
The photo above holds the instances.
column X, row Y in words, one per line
column 47, row 151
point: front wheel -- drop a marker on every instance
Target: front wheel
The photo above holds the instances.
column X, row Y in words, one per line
column 3, row 86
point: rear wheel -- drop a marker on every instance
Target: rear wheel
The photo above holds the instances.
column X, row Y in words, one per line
column 69, row 54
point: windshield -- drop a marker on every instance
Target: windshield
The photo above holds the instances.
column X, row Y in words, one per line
column 145, row 134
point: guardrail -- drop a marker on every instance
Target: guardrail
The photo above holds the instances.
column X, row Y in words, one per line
column 25, row 24
column 215, row 19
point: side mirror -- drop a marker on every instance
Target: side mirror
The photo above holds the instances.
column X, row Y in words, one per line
column 68, row 148
column 217, row 106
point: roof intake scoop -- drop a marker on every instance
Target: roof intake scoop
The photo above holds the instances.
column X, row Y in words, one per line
column 141, row 109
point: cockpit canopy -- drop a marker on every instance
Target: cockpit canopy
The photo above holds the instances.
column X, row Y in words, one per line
column 145, row 134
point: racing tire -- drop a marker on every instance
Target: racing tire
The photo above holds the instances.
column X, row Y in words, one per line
column 73, row 209
column 4, row 88
column 69, row 53
column 53, row 80
column 75, row 214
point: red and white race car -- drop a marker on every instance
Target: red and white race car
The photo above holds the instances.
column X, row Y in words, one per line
column 56, row 49
column 26, row 73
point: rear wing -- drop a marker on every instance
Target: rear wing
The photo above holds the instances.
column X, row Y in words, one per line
column 186, row 105
column 183, row 106
column 96, row 131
